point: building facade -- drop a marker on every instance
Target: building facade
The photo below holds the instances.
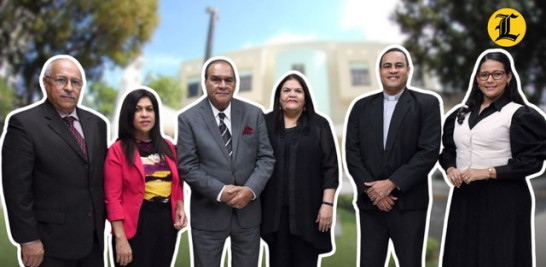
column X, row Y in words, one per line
column 338, row 72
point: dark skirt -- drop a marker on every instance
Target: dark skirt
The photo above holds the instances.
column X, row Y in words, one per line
column 489, row 225
column 287, row 249
column 155, row 238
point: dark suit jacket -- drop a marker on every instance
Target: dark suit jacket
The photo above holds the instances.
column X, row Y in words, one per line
column 204, row 163
column 411, row 151
column 52, row 193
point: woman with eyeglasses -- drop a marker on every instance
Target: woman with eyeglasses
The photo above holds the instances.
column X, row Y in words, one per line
column 143, row 191
column 492, row 143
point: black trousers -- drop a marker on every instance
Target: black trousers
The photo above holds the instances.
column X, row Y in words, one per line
column 286, row 249
column 94, row 259
column 405, row 228
column 155, row 239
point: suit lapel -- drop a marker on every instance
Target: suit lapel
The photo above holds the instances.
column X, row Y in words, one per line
column 139, row 165
column 89, row 131
column 377, row 121
column 58, row 126
column 398, row 116
column 236, row 124
column 210, row 121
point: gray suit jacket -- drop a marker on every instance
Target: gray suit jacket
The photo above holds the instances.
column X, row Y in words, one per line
column 204, row 163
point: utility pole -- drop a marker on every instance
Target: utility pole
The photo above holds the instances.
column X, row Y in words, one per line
column 210, row 36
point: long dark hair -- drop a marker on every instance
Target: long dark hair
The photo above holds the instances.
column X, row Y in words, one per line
column 126, row 128
column 475, row 98
column 308, row 108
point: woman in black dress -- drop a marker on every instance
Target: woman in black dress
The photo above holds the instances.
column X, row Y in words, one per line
column 298, row 201
column 491, row 144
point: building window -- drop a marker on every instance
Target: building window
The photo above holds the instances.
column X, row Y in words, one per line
column 360, row 74
column 245, row 83
column 299, row 67
column 194, row 87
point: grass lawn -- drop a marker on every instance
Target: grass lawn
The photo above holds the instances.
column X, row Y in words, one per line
column 345, row 254
column 7, row 250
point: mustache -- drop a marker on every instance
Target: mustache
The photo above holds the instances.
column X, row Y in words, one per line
column 69, row 96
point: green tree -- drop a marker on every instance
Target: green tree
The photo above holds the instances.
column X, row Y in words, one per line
column 7, row 101
column 168, row 88
column 101, row 97
column 93, row 31
column 447, row 36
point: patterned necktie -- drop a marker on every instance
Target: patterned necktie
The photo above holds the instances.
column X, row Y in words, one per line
column 81, row 142
column 225, row 133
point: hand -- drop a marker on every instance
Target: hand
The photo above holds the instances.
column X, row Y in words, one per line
column 242, row 197
column 471, row 175
column 385, row 204
column 379, row 189
column 228, row 193
column 124, row 254
column 32, row 254
column 181, row 219
column 454, row 176
column 324, row 217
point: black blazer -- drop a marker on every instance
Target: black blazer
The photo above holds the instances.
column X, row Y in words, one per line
column 411, row 151
column 52, row 193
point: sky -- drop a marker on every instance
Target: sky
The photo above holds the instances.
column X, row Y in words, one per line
column 183, row 24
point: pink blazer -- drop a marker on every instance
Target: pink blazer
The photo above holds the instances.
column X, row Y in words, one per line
column 124, row 187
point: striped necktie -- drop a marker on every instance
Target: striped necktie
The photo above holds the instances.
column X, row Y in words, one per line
column 224, row 131
column 79, row 138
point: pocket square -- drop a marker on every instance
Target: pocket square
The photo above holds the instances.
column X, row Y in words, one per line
column 248, row 130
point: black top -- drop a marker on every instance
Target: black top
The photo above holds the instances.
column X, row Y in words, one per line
column 527, row 139
column 290, row 139
column 306, row 165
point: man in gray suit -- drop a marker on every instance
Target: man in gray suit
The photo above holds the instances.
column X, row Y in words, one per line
column 225, row 156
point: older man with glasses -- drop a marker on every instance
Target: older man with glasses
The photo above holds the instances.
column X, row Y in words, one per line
column 52, row 173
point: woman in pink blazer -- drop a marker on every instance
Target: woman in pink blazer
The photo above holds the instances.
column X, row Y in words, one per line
column 143, row 191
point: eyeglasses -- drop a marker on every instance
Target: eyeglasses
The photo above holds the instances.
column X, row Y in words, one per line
column 61, row 81
column 497, row 75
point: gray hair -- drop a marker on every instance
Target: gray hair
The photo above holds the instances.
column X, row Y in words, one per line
column 49, row 66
